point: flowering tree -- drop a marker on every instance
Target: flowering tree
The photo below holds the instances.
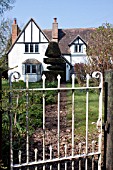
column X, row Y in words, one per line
column 100, row 49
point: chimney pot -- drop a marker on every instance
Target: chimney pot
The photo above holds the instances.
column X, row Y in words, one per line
column 15, row 21
column 55, row 20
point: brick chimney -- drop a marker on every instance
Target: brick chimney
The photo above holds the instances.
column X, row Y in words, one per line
column 14, row 30
column 55, row 30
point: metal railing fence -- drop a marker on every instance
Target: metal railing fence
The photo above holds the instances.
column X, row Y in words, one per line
column 66, row 161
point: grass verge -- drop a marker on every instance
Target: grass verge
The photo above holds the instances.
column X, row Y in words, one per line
column 80, row 111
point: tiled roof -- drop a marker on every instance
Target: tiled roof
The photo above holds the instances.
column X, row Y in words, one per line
column 31, row 61
column 66, row 36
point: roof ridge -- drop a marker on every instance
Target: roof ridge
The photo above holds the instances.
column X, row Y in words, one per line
column 91, row 28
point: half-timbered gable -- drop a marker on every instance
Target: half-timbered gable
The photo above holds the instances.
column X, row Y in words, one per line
column 28, row 51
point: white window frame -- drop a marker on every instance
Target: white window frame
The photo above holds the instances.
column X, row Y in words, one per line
column 77, row 48
column 38, row 69
column 31, row 48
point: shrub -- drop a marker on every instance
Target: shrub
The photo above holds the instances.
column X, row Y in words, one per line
column 52, row 75
column 35, row 112
column 80, row 72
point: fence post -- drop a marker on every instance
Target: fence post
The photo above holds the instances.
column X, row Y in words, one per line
column 109, row 122
column 0, row 115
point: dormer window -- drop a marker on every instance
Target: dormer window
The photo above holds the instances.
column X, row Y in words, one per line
column 78, row 48
column 31, row 48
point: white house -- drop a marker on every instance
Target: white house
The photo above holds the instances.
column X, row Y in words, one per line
column 29, row 45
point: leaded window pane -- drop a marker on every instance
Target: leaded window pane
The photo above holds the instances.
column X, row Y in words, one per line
column 36, row 48
column 26, row 48
column 27, row 68
column 76, row 48
column 33, row 68
column 31, row 48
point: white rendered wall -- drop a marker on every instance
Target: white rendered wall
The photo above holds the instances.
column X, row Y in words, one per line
column 17, row 55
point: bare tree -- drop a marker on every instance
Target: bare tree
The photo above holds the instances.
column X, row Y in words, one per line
column 4, row 24
column 5, row 34
column 5, row 5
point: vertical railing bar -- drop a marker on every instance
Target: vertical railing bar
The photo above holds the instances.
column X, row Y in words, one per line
column 73, row 118
column 11, row 122
column 93, row 149
column 11, row 142
column 19, row 157
column 43, row 78
column 36, row 150
column 87, row 103
column 15, row 117
column 27, row 120
column 80, row 147
column 50, row 156
column 58, row 77
column 11, row 116
column 100, row 120
column 65, row 156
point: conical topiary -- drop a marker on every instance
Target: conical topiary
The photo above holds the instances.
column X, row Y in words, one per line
column 55, row 62
column 53, row 50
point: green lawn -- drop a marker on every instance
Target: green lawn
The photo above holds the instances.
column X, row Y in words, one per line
column 80, row 111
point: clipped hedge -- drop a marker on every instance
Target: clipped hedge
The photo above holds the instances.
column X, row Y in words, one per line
column 56, row 63
column 53, row 60
column 56, row 67
column 52, row 75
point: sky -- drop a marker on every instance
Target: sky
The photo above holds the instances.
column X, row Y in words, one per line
column 69, row 13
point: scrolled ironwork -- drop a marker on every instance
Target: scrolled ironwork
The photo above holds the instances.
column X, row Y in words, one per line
column 96, row 74
column 16, row 75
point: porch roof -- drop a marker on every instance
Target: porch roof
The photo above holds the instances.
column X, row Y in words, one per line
column 31, row 61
